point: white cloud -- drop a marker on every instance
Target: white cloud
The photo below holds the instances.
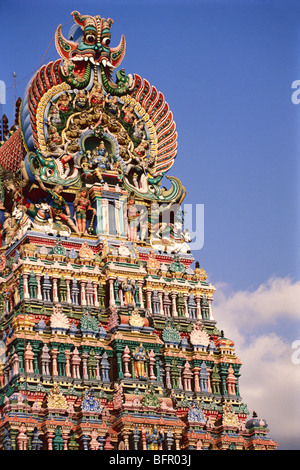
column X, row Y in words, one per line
column 277, row 298
column 270, row 381
column 270, row 385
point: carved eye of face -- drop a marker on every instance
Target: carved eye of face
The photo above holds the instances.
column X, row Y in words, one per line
column 49, row 172
column 106, row 41
column 90, row 38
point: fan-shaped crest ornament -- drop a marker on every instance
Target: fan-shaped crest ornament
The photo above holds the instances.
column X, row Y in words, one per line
column 77, row 125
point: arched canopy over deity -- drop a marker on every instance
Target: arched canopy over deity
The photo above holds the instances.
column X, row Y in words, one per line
column 81, row 127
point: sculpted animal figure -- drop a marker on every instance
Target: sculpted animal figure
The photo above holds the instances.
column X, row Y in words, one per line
column 170, row 245
column 24, row 223
column 43, row 221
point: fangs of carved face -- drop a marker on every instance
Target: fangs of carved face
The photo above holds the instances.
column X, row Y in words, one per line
column 90, row 58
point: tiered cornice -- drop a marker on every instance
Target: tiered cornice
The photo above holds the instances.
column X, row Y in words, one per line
column 107, row 330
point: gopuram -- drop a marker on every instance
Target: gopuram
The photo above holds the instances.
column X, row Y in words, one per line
column 108, row 339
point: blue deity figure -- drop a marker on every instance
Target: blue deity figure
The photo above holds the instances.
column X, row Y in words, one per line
column 195, row 414
column 99, row 156
column 90, row 403
column 154, row 439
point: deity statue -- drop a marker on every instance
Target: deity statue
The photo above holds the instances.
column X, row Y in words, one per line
column 100, row 159
column 154, row 439
column 82, row 204
column 132, row 219
column 152, row 262
column 139, row 130
column 195, row 414
column 123, row 250
column 128, row 288
column 14, row 194
column 86, row 251
column 54, row 118
column 86, row 167
column 128, row 116
column 135, row 320
column 56, row 399
column 139, row 166
column 80, row 100
column 229, row 417
column 63, row 102
column 90, row 403
column 140, row 357
column 73, row 131
column 96, row 97
column 9, row 228
column 199, row 336
column 111, row 105
column 59, row 205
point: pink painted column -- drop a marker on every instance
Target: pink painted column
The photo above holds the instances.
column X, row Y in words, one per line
column 174, row 308
column 25, row 286
column 54, row 353
column 69, row 300
column 55, row 290
column 22, row 438
column 196, row 379
column 39, row 290
column 75, row 364
column 68, row 369
column 208, row 380
column 104, row 204
column 28, row 358
column 161, row 305
column 151, row 365
column 96, row 302
column 82, row 292
column 186, row 312
column 141, row 297
column 198, row 304
column 49, row 438
column 15, row 364
column 112, row 302
column 149, row 305
column 126, row 360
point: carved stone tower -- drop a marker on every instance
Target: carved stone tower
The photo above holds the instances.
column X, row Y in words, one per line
column 108, row 339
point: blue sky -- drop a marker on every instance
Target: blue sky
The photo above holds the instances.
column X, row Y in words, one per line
column 226, row 69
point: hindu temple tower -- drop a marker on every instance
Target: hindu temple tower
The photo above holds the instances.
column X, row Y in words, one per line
column 108, row 339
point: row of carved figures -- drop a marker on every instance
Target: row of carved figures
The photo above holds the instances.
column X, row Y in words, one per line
column 85, row 292
column 33, row 286
column 138, row 364
column 159, row 302
column 55, row 362
column 141, row 364
column 57, row 216
column 58, row 439
column 154, row 438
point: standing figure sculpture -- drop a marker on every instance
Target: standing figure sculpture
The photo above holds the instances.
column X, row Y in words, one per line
column 82, row 204
column 128, row 289
column 132, row 219
column 59, row 205
column 140, row 358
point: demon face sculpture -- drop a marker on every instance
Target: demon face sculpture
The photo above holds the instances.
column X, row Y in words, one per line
column 92, row 49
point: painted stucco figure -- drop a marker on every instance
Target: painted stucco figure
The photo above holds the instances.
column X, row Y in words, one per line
column 79, row 127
